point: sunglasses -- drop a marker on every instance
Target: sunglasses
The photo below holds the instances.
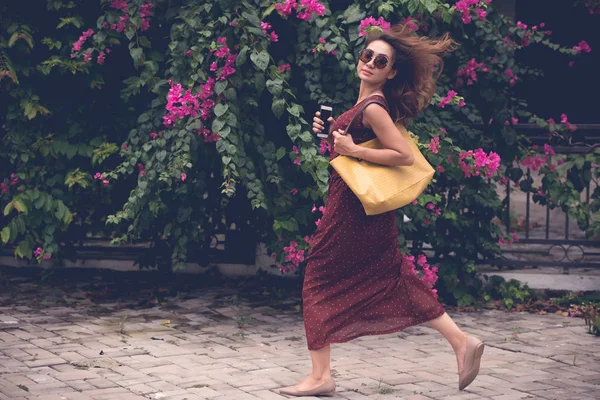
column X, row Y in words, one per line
column 381, row 60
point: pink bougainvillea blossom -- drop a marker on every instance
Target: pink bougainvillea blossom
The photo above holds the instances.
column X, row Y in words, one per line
column 582, row 47
column 434, row 144
column 183, row 176
column 294, row 191
column 426, row 273
column 305, row 10
column 141, row 169
column 101, row 57
column 475, row 162
column 84, row 35
column 464, row 7
column 310, row 7
column 284, row 67
column 367, row 23
column 448, row 98
column 294, row 255
column 297, row 161
column 324, row 147
column 469, row 71
column 549, row 150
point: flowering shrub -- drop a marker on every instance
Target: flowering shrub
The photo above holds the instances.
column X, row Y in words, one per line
column 190, row 115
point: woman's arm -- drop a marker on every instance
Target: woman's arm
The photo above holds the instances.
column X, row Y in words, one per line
column 396, row 152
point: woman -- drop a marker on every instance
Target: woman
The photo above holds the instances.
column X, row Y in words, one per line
column 356, row 281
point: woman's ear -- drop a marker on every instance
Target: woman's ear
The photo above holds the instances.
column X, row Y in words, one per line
column 392, row 74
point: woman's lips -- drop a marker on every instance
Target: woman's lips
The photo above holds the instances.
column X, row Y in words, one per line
column 366, row 71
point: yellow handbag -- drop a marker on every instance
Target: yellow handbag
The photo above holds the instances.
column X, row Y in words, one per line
column 382, row 188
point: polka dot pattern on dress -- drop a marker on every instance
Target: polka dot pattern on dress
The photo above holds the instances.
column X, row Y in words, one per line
column 356, row 282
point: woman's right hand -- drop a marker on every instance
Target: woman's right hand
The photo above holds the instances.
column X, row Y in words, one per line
column 318, row 123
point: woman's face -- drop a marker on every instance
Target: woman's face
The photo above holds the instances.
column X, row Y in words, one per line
column 377, row 54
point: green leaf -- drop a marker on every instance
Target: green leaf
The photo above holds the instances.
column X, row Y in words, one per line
column 221, row 109
column 20, row 206
column 220, row 86
column 261, row 60
column 242, row 56
column 218, row 124
column 5, row 234
column 275, row 87
column 278, row 107
column 353, row 14
column 9, row 207
column 280, row 153
column 252, row 18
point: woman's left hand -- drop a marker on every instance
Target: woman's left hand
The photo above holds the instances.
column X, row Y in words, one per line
column 343, row 144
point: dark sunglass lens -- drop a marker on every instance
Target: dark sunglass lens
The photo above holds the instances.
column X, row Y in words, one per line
column 366, row 55
column 380, row 61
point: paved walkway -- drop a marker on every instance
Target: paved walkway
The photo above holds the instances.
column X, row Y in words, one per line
column 59, row 342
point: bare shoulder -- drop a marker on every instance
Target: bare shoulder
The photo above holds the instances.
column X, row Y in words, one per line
column 375, row 114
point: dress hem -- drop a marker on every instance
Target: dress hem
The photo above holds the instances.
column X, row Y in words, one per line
column 392, row 330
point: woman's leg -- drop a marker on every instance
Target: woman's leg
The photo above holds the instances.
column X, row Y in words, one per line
column 321, row 368
column 457, row 338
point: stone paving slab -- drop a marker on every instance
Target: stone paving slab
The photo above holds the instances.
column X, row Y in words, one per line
column 215, row 344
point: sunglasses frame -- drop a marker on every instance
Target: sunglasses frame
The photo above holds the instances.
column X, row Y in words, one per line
column 376, row 63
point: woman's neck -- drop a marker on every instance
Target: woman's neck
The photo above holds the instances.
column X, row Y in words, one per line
column 366, row 91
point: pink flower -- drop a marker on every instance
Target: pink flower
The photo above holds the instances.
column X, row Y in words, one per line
column 183, row 176
column 101, row 57
column 284, row 67
column 317, row 222
column 324, row 147
column 124, row 147
column 295, row 150
column 549, row 150
column 153, row 135
column 286, row 8
column 440, row 168
column 414, row 202
column 87, row 57
column 105, row 181
column 38, row 251
column 434, row 144
column 310, row 7
column 430, row 206
column 265, row 27
column 368, row 22
column 446, row 100
column 322, row 40
column 189, row 53
column 514, row 237
column 294, row 191
column 470, row 71
column 47, row 256
column 583, row 46
column 84, row 35
column 273, row 36
column 297, row 161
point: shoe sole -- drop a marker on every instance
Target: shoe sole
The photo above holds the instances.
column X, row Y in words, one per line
column 475, row 370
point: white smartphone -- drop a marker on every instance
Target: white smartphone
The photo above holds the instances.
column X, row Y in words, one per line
column 326, row 112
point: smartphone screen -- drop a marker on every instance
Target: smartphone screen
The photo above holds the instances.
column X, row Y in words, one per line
column 326, row 112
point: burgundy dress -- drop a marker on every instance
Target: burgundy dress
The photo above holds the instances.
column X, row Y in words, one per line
column 356, row 282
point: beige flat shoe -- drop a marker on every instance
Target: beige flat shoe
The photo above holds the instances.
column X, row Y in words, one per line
column 472, row 361
column 326, row 388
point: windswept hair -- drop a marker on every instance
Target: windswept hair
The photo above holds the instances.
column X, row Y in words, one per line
column 418, row 61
